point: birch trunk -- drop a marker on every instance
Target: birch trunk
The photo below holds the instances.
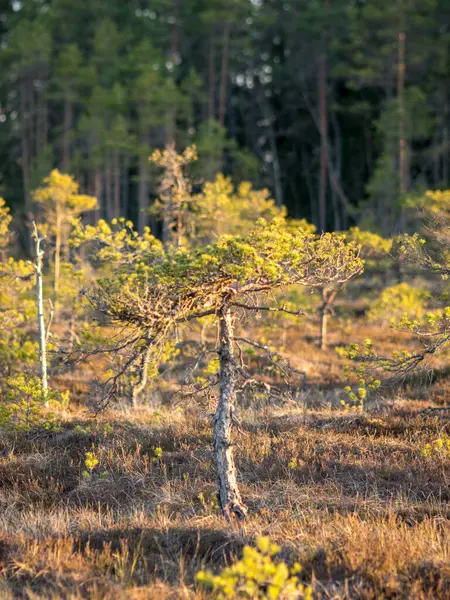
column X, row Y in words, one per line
column 229, row 495
column 42, row 336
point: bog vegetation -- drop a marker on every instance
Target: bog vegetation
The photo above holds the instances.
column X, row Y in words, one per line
column 210, row 388
column 159, row 379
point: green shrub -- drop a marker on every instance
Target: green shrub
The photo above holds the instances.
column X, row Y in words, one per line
column 398, row 301
column 255, row 576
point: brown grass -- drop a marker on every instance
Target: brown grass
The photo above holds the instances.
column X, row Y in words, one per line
column 365, row 514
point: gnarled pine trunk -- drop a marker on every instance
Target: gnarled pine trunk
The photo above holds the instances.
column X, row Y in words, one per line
column 229, row 495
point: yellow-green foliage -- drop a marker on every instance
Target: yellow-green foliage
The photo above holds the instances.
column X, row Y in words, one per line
column 17, row 309
column 60, row 200
column 434, row 200
column 5, row 222
column 174, row 201
column 257, row 575
column 373, row 246
column 439, row 448
column 25, row 404
column 90, row 461
column 116, row 244
column 395, row 302
column 222, row 209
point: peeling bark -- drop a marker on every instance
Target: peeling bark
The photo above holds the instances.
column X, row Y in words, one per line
column 42, row 337
column 139, row 387
column 229, row 495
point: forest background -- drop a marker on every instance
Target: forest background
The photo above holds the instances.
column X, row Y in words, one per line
column 341, row 108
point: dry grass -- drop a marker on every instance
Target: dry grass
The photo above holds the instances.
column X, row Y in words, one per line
column 365, row 514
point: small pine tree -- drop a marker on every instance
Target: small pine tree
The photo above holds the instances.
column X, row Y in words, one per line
column 61, row 202
column 222, row 281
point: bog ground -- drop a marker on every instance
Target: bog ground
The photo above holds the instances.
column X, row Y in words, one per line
column 348, row 494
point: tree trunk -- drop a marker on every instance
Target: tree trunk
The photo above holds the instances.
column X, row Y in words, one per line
column 143, row 193
column 42, row 336
column 116, row 177
column 58, row 235
column 323, row 328
column 224, row 73
column 98, row 193
column 323, row 125
column 108, row 190
column 328, row 297
column 139, row 387
column 229, row 495
column 212, row 80
column 66, row 135
column 403, row 170
column 25, row 146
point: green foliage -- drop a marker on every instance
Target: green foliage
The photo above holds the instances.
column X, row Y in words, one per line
column 90, row 462
column 399, row 301
column 173, row 204
column 116, row 247
column 26, row 405
column 257, row 575
column 439, row 448
column 374, row 247
column 222, row 209
column 60, row 201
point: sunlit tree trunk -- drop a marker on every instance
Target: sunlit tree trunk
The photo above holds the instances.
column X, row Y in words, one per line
column 42, row 334
column 229, row 495
column 328, row 297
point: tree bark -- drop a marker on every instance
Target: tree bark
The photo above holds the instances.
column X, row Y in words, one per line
column 229, row 495
column 212, row 81
column 66, row 135
column 58, row 237
column 25, row 146
column 328, row 297
column 224, row 73
column 42, row 335
column 139, row 387
column 323, row 328
column 403, row 172
column 323, row 125
column 143, row 193
column 108, row 190
column 116, row 177
column 98, row 186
